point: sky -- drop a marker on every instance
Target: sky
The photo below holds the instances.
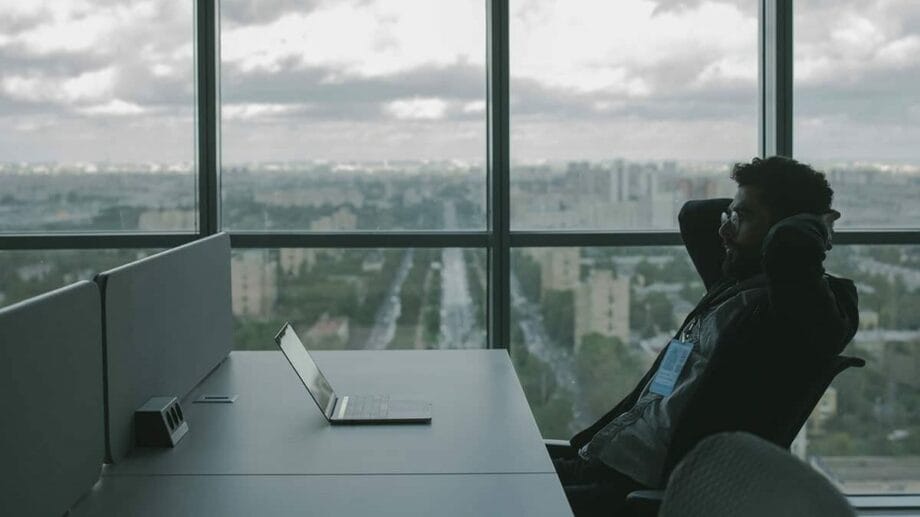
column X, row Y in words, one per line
column 106, row 80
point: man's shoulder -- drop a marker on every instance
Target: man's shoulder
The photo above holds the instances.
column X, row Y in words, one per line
column 840, row 282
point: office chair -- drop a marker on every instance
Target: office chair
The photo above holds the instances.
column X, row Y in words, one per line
column 647, row 502
column 742, row 474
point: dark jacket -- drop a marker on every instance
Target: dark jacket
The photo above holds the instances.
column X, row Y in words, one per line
column 791, row 320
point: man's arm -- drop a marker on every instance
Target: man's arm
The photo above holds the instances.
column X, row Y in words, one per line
column 765, row 361
column 699, row 228
column 802, row 303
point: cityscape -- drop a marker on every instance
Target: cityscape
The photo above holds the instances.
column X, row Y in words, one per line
column 586, row 322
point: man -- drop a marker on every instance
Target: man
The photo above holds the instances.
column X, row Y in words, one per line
column 770, row 319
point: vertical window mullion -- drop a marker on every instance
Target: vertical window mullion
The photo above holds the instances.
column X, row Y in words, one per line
column 499, row 306
column 207, row 62
column 775, row 46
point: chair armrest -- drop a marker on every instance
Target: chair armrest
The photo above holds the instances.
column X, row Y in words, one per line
column 644, row 502
column 560, row 449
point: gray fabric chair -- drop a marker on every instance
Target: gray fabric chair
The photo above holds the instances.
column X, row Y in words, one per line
column 741, row 474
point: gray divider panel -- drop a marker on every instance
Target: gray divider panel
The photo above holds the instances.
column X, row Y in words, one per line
column 167, row 325
column 52, row 434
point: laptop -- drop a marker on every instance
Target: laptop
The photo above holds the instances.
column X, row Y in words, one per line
column 347, row 409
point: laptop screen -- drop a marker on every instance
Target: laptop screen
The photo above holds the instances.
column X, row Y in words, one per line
column 303, row 364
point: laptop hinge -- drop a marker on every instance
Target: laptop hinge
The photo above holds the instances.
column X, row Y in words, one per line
column 330, row 408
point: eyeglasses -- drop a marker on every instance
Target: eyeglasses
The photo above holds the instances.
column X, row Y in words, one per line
column 731, row 217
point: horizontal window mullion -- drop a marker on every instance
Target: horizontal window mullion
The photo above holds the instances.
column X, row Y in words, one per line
column 539, row 239
column 94, row 240
column 877, row 237
column 362, row 240
column 518, row 239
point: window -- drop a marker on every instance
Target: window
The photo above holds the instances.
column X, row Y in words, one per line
column 857, row 110
column 588, row 322
column 24, row 274
column 375, row 299
column 346, row 116
column 97, row 117
column 865, row 433
column 857, row 106
column 621, row 111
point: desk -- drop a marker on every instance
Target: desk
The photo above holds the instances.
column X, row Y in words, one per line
column 340, row 496
column 271, row 452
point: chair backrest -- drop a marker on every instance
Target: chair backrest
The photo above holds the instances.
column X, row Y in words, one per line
column 813, row 395
column 741, row 474
column 168, row 323
column 51, row 428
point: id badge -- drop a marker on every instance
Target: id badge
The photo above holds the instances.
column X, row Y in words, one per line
column 669, row 370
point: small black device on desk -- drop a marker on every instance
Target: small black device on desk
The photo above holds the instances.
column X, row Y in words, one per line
column 159, row 423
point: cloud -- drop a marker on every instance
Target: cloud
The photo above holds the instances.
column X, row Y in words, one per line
column 474, row 107
column 249, row 12
column 417, row 109
column 629, row 47
column 900, row 53
column 680, row 6
column 115, row 107
column 381, row 73
column 88, row 86
column 78, row 27
column 363, row 39
column 354, row 98
column 258, row 111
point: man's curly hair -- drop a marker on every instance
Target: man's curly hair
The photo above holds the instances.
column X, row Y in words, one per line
column 787, row 186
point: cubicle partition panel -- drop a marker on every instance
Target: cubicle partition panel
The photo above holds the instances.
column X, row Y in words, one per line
column 167, row 324
column 51, row 436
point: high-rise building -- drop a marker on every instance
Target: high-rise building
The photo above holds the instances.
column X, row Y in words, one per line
column 293, row 260
column 254, row 283
column 602, row 306
column 559, row 268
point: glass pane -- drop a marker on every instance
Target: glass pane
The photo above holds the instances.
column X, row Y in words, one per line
column 588, row 322
column 361, row 299
column 620, row 111
column 857, row 105
column 24, row 274
column 353, row 115
column 97, row 127
column 865, row 433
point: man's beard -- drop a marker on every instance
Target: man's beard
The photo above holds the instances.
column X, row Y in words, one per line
column 739, row 265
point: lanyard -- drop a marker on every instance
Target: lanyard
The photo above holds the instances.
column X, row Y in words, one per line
column 685, row 332
column 717, row 294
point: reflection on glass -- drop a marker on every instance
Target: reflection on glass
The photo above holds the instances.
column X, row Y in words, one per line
column 588, row 322
column 857, row 105
column 621, row 111
column 97, row 129
column 865, row 433
column 306, row 369
column 24, row 274
column 353, row 115
column 361, row 299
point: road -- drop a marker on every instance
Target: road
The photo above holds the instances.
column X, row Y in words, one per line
column 385, row 321
column 458, row 322
column 538, row 343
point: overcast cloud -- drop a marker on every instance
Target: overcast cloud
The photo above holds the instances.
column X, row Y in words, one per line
column 369, row 79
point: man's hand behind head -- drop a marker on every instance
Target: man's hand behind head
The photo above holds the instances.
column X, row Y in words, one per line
column 828, row 219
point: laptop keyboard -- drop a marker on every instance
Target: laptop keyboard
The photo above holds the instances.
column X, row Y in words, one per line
column 367, row 406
